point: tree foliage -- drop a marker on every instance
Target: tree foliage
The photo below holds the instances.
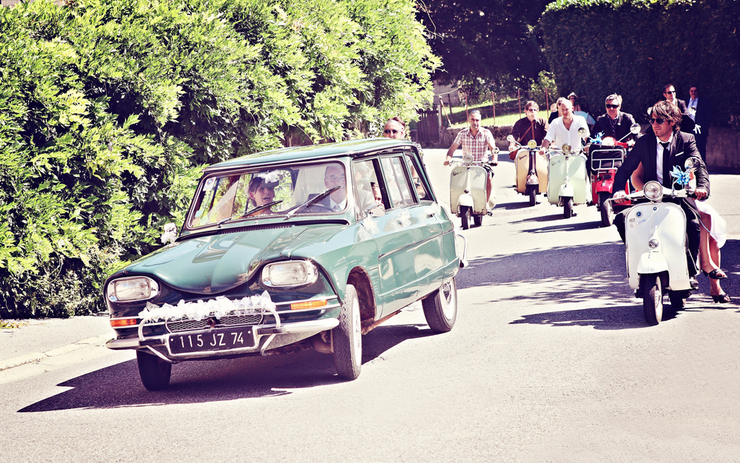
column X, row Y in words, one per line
column 635, row 47
column 109, row 108
column 493, row 42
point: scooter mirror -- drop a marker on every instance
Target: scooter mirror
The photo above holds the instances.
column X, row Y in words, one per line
column 691, row 163
column 566, row 149
column 531, row 144
column 510, row 139
column 582, row 132
column 635, row 129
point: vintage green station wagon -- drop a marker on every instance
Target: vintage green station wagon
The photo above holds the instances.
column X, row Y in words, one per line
column 306, row 247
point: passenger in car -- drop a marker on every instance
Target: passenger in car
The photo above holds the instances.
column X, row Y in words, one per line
column 260, row 192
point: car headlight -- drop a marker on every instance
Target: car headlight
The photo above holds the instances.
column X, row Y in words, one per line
column 653, row 190
column 132, row 289
column 290, row 273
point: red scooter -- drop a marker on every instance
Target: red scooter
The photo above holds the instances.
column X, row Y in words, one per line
column 607, row 154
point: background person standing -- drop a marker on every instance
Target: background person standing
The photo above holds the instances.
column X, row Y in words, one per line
column 699, row 110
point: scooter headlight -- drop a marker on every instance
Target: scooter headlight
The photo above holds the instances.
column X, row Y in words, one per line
column 653, row 190
column 653, row 243
column 608, row 141
column 532, row 144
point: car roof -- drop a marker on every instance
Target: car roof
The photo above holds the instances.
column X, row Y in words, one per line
column 354, row 148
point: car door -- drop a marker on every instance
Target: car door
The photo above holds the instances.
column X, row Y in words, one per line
column 408, row 251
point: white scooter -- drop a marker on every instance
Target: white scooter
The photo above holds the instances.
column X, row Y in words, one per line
column 655, row 242
column 468, row 181
column 568, row 182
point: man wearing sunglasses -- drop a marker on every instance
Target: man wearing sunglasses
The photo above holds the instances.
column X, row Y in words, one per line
column 395, row 128
column 659, row 152
column 669, row 93
column 615, row 123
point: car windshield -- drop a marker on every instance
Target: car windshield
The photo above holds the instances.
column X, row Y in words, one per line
column 281, row 191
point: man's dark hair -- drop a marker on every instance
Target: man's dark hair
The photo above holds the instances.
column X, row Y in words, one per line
column 667, row 86
column 668, row 111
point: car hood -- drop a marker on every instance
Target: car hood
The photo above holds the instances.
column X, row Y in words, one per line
column 218, row 263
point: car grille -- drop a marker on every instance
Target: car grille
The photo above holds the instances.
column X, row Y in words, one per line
column 192, row 325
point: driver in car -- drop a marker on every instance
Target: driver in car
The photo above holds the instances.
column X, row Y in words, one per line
column 659, row 152
column 334, row 176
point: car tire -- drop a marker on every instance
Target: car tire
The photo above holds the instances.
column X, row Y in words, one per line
column 155, row 372
column 440, row 307
column 347, row 337
column 465, row 213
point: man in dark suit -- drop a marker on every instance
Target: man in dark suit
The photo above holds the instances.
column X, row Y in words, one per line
column 659, row 152
column 614, row 123
column 669, row 93
column 700, row 112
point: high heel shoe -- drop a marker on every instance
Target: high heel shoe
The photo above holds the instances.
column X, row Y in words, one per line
column 716, row 274
column 721, row 299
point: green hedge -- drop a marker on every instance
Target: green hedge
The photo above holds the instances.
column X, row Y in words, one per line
column 634, row 48
column 110, row 108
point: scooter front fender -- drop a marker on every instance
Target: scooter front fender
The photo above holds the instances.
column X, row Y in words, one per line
column 566, row 190
column 465, row 199
column 652, row 262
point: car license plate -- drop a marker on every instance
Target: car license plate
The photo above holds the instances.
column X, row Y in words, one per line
column 212, row 340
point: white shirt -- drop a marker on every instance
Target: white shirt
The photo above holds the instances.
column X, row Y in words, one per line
column 692, row 108
column 558, row 135
column 337, row 206
column 659, row 158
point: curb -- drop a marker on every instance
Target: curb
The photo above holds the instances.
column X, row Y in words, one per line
column 38, row 356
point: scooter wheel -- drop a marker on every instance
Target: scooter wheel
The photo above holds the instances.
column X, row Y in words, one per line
column 465, row 213
column 533, row 196
column 568, row 208
column 652, row 298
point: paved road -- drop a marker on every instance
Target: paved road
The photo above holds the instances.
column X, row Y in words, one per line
column 550, row 361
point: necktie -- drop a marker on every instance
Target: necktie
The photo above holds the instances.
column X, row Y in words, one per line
column 665, row 144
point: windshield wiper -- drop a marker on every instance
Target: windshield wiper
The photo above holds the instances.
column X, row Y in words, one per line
column 312, row 201
column 259, row 208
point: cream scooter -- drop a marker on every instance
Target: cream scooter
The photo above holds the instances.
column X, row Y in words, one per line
column 531, row 169
column 468, row 181
column 655, row 244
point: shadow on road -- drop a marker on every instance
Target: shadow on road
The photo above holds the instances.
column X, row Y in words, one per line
column 575, row 276
column 212, row 381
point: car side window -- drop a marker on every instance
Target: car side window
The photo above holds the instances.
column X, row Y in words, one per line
column 421, row 188
column 399, row 187
column 368, row 193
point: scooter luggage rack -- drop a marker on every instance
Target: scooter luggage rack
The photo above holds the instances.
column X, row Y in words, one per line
column 606, row 159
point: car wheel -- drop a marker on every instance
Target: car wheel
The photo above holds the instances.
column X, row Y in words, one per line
column 652, row 298
column 348, row 337
column 440, row 307
column 465, row 212
column 568, row 208
column 155, row 372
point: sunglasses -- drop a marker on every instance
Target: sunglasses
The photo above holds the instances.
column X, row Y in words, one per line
column 658, row 120
column 612, row 106
column 672, row 92
column 388, row 131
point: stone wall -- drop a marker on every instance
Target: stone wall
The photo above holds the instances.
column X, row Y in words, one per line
column 723, row 150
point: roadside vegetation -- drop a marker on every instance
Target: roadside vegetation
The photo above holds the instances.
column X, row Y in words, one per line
column 110, row 108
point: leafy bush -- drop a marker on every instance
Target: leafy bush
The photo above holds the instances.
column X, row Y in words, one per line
column 635, row 47
column 110, row 108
